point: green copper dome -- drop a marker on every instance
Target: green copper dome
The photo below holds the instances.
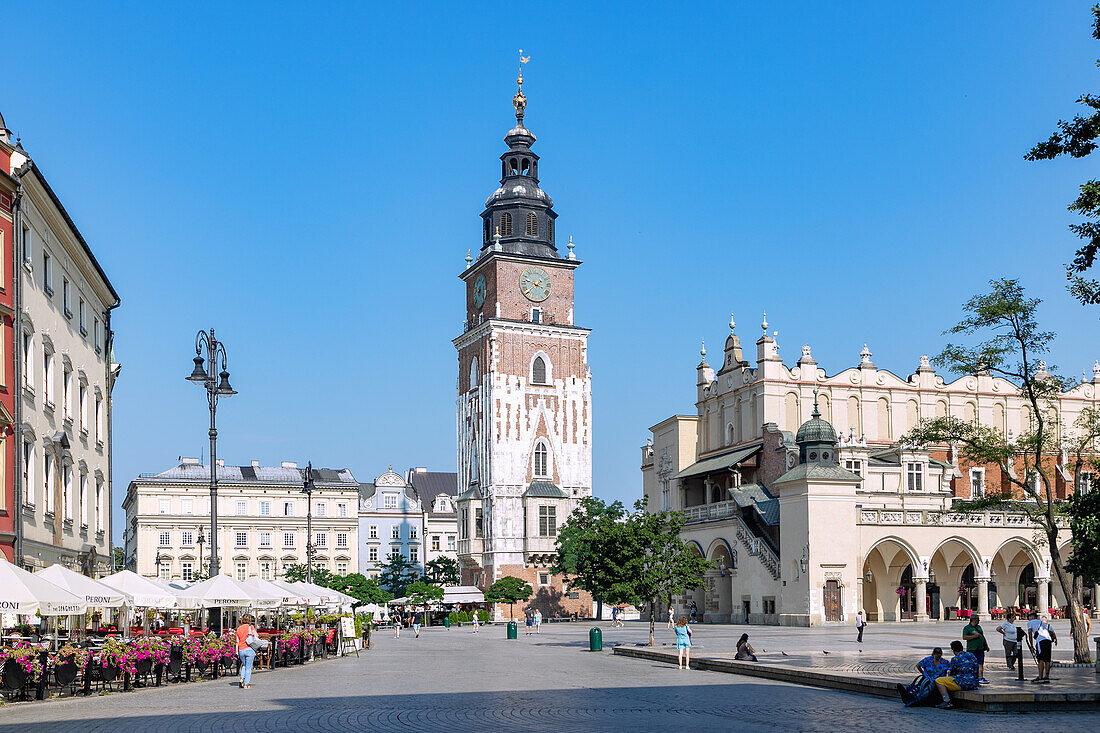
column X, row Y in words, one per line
column 815, row 430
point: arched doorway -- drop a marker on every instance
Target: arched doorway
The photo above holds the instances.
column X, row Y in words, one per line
column 880, row 578
column 719, row 585
column 1028, row 588
column 907, row 594
column 831, row 601
column 968, row 589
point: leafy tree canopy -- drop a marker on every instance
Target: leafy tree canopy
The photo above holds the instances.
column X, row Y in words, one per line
column 397, row 573
column 508, row 589
column 592, row 547
column 442, row 571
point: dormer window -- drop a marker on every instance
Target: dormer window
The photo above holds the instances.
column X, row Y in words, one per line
column 505, row 224
column 532, row 225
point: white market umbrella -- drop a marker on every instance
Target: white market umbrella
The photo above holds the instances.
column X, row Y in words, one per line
column 374, row 608
column 223, row 590
column 325, row 595
column 143, row 591
column 95, row 594
column 302, row 596
column 27, row 593
column 289, row 597
column 463, row 594
column 398, row 601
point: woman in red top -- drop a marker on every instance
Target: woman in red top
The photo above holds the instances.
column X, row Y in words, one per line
column 244, row 651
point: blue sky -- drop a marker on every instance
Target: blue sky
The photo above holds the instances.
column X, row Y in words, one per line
column 307, row 178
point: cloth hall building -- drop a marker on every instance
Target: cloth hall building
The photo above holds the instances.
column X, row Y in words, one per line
column 794, row 481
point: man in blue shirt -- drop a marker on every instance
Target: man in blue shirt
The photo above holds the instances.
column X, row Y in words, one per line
column 961, row 675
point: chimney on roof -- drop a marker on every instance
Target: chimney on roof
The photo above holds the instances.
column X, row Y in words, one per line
column 221, row 462
column 420, row 469
column 290, row 464
column 185, row 461
column 255, row 464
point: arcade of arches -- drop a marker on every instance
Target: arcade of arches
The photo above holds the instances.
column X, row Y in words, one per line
column 900, row 583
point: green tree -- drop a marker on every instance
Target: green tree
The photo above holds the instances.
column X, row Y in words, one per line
column 397, row 573
column 510, row 590
column 295, row 573
column 421, row 594
column 442, row 571
column 1084, row 523
column 591, row 549
column 365, row 589
column 1077, row 139
column 1003, row 323
column 118, row 559
column 658, row 563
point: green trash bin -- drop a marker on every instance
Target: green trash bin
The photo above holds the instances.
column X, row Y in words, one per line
column 446, row 622
column 513, row 630
column 595, row 640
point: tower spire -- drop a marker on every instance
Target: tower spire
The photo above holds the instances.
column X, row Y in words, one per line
column 519, row 101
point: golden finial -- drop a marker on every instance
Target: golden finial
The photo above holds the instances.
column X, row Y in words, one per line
column 519, row 101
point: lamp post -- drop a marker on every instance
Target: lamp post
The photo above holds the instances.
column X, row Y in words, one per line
column 307, row 489
column 214, row 391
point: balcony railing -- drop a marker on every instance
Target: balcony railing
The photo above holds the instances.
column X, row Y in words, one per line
column 932, row 517
column 711, row 512
column 471, row 546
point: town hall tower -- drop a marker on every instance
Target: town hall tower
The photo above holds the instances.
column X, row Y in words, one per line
column 524, row 407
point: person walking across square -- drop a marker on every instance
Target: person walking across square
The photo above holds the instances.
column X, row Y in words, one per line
column 976, row 644
column 860, row 625
column 538, row 622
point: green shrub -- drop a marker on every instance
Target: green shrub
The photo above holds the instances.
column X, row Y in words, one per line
column 483, row 616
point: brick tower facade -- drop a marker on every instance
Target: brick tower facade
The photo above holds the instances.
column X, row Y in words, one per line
column 524, row 407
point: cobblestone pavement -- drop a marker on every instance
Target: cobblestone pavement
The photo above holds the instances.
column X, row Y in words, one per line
column 458, row 681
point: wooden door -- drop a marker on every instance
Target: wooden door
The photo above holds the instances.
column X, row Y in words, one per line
column 832, row 600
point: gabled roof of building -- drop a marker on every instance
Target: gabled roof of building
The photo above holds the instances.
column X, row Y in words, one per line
column 749, row 497
column 430, row 484
column 545, row 490
column 723, row 462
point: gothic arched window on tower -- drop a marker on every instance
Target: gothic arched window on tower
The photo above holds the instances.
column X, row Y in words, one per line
column 541, row 461
column 505, row 224
column 514, row 165
column 525, row 167
column 532, row 225
column 538, row 370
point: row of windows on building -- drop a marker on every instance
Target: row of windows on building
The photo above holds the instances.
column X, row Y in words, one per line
column 67, row 289
column 548, row 522
column 411, row 553
column 265, row 507
column 264, row 538
column 90, row 508
column 395, row 532
column 189, row 569
column 531, row 228
column 74, row 403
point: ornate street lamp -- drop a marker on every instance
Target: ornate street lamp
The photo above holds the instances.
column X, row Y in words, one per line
column 215, row 390
column 307, row 489
column 201, row 540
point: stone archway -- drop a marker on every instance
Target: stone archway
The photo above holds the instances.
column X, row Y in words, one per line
column 698, row 595
column 882, row 570
column 954, row 558
column 718, row 607
column 1015, row 566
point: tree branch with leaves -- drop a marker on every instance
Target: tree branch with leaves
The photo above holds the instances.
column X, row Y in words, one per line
column 1003, row 323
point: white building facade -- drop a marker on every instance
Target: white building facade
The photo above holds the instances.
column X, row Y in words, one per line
column 436, row 492
column 810, row 534
column 262, row 521
column 65, row 374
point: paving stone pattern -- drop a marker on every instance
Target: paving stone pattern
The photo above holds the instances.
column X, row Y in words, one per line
column 458, row 681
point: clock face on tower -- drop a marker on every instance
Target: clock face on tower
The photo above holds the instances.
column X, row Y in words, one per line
column 534, row 283
column 479, row 290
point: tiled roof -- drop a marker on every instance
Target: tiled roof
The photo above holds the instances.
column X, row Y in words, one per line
column 545, row 490
column 430, row 484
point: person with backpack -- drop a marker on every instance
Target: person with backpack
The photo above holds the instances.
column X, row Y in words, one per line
column 1042, row 634
column 921, row 690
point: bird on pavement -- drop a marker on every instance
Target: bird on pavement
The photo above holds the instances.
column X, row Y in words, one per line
column 784, row 654
column 824, row 652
